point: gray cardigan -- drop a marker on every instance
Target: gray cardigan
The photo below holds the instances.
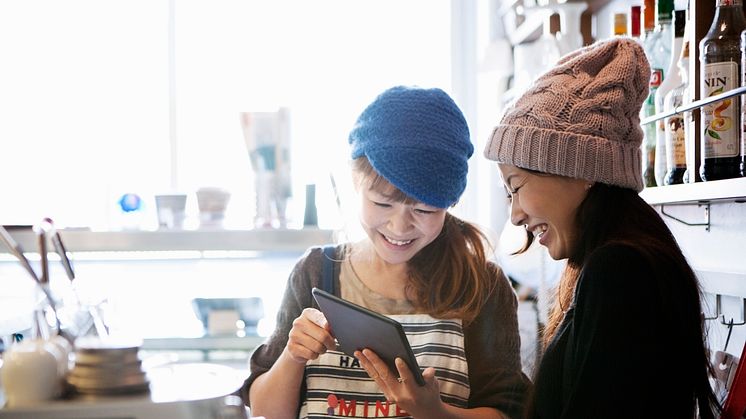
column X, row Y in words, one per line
column 492, row 341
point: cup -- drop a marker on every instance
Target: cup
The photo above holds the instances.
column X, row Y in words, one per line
column 171, row 211
column 212, row 203
column 31, row 373
column 65, row 349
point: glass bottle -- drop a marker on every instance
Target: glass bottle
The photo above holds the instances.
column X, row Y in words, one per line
column 720, row 59
column 547, row 45
column 648, row 19
column 676, row 127
column 634, row 21
column 620, row 24
column 671, row 79
column 657, row 45
column 648, row 107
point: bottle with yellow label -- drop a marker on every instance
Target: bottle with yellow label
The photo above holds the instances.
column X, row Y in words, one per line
column 720, row 59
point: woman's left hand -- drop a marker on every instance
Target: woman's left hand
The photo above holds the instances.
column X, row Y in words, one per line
column 401, row 388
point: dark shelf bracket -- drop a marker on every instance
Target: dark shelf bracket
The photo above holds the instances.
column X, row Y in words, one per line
column 718, row 309
column 706, row 223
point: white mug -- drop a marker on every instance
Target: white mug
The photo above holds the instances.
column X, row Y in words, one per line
column 31, row 373
column 65, row 349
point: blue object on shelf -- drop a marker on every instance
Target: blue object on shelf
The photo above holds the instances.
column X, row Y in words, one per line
column 130, row 202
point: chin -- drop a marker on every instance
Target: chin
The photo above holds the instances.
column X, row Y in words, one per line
column 556, row 254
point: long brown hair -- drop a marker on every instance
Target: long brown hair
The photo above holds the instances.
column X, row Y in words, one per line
column 611, row 214
column 450, row 277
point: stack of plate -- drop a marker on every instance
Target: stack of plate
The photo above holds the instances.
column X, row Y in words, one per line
column 107, row 367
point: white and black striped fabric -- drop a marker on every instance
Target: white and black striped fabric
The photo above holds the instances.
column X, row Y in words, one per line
column 338, row 387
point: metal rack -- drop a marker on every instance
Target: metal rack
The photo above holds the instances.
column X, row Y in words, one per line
column 695, row 105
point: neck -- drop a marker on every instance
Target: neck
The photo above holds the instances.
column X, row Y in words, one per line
column 380, row 276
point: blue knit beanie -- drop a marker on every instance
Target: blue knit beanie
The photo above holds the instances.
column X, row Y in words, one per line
column 418, row 140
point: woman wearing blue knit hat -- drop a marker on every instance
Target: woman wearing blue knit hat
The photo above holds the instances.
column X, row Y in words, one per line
column 419, row 265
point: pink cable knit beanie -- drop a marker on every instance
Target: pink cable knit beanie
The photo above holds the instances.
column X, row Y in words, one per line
column 582, row 118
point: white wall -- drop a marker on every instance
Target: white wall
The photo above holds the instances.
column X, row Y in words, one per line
column 722, row 249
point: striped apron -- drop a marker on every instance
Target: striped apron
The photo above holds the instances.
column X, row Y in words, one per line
column 338, row 387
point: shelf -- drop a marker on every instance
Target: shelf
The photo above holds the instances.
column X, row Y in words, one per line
column 723, row 283
column 729, row 190
column 265, row 240
column 205, row 343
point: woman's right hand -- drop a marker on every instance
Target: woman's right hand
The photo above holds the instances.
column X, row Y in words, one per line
column 309, row 337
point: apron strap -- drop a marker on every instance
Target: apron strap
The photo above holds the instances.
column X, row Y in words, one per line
column 327, row 278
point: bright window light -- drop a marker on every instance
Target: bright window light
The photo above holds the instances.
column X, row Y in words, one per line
column 100, row 98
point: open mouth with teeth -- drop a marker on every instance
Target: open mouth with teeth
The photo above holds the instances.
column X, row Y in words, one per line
column 397, row 242
column 538, row 231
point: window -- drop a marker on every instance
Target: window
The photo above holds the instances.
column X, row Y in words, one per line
column 102, row 98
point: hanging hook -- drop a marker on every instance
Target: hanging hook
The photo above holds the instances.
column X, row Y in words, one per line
column 730, row 330
column 717, row 309
column 730, row 323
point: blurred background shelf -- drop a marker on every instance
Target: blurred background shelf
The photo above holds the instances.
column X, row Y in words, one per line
column 260, row 240
column 205, row 343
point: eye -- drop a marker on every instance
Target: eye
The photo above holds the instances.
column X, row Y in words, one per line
column 423, row 211
column 513, row 192
column 381, row 204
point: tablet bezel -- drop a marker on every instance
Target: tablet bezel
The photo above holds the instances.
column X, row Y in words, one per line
column 384, row 336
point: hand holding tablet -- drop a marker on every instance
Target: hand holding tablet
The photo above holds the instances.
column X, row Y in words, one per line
column 357, row 328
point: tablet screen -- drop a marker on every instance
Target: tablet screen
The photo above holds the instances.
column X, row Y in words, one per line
column 356, row 328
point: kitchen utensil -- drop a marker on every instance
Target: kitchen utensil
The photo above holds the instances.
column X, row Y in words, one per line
column 41, row 231
column 59, row 247
column 16, row 250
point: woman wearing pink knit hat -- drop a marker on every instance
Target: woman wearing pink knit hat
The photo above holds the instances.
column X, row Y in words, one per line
column 625, row 337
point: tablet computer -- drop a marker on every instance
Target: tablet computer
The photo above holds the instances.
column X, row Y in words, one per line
column 356, row 328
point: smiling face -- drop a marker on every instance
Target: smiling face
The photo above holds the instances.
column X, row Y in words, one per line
column 546, row 205
column 398, row 229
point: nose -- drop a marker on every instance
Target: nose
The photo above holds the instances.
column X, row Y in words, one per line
column 517, row 216
column 401, row 221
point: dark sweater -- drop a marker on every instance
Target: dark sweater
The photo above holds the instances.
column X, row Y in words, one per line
column 492, row 342
column 619, row 352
